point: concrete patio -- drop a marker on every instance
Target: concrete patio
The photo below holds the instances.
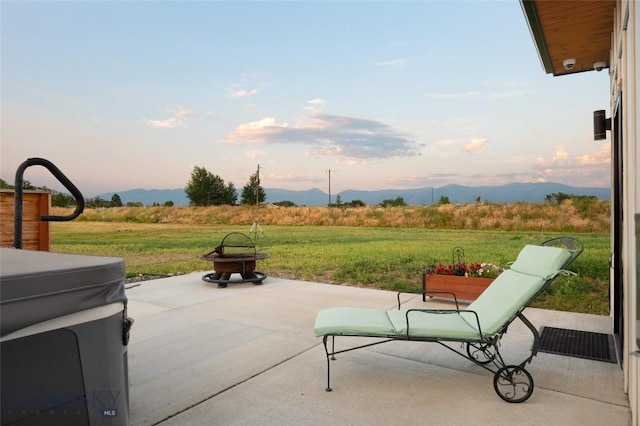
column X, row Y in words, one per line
column 247, row 355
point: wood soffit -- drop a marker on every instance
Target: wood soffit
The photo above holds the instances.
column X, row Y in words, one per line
column 570, row 29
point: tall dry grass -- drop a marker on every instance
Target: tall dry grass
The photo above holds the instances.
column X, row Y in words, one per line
column 593, row 217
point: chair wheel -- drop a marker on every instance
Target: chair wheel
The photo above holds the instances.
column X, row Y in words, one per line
column 481, row 353
column 513, row 383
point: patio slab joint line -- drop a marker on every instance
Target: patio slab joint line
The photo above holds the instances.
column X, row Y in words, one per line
column 234, row 385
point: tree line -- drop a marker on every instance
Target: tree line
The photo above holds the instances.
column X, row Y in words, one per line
column 206, row 189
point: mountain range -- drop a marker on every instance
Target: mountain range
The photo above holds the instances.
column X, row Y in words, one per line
column 510, row 193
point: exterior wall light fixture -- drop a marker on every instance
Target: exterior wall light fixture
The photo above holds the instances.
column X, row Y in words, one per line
column 600, row 125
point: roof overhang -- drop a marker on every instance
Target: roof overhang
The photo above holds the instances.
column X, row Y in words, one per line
column 566, row 31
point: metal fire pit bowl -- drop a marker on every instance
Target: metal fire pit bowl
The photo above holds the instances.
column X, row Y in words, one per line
column 236, row 254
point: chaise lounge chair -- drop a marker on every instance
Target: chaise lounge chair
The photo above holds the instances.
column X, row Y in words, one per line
column 479, row 327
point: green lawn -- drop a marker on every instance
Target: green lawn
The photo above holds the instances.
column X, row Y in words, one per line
column 385, row 258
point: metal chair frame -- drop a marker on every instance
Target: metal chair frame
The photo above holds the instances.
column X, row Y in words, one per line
column 512, row 382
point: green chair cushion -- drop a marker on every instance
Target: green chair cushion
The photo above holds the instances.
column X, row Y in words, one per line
column 541, row 261
column 502, row 300
column 393, row 322
column 369, row 322
column 434, row 325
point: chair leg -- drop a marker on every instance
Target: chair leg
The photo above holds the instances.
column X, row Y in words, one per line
column 536, row 339
column 329, row 357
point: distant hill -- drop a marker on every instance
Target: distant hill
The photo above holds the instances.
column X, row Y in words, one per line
column 149, row 197
column 510, row 193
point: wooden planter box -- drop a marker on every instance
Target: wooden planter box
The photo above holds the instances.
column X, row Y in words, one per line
column 465, row 288
column 36, row 234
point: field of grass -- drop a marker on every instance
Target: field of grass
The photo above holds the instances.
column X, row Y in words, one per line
column 569, row 216
column 385, row 257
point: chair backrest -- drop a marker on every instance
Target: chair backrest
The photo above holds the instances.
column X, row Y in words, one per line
column 535, row 268
column 574, row 245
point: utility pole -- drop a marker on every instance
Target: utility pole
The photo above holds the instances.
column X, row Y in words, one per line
column 329, row 187
column 258, row 186
column 256, row 228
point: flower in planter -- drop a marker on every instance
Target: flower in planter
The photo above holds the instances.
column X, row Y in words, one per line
column 464, row 269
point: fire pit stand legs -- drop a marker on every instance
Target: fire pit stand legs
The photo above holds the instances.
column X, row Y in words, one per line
column 222, row 280
column 243, row 265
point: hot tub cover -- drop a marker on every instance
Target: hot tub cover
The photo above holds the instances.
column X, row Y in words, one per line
column 37, row 286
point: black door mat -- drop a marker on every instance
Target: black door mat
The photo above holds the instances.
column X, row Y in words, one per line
column 579, row 344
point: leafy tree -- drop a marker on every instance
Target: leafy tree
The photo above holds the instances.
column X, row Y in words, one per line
column 355, row 203
column 116, row 201
column 218, row 192
column 199, row 187
column 338, row 200
column 168, row 203
column 397, row 202
column 285, row 203
column 444, row 200
column 97, row 202
column 27, row 185
column 251, row 189
column 230, row 194
column 557, row 197
column 58, row 199
column 204, row 188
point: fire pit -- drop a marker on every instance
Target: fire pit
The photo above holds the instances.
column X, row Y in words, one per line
column 236, row 254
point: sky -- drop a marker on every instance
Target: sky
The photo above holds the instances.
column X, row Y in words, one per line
column 359, row 95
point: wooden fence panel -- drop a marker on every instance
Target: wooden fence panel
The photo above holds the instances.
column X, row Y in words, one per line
column 36, row 234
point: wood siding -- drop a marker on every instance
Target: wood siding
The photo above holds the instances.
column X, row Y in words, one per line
column 36, row 234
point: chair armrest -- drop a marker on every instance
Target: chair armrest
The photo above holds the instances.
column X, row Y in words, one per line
column 426, row 292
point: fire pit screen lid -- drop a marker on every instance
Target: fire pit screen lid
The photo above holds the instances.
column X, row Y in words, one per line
column 235, row 244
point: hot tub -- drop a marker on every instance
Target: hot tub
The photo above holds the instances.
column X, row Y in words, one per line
column 63, row 342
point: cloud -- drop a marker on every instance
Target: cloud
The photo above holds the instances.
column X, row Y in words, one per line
column 591, row 169
column 283, row 177
column 394, row 63
column 179, row 115
column 350, row 161
column 445, row 148
column 475, row 145
column 252, row 154
column 561, row 154
column 316, row 104
column 329, row 135
column 601, row 157
column 241, row 93
column 446, row 142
